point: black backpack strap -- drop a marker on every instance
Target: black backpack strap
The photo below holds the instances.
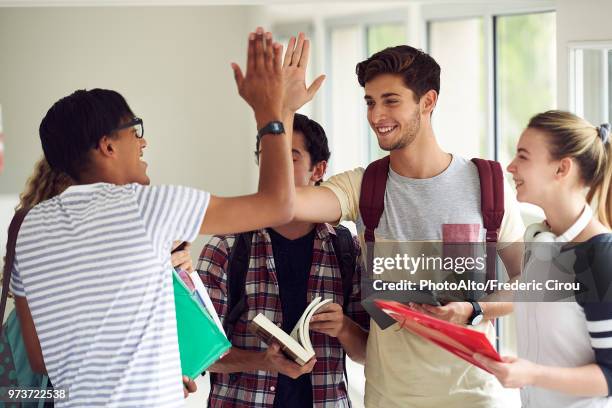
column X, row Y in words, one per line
column 236, row 272
column 344, row 248
column 237, row 268
column 9, row 259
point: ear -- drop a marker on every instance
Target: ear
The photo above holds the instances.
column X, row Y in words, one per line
column 107, row 147
column 564, row 168
column 318, row 171
column 428, row 102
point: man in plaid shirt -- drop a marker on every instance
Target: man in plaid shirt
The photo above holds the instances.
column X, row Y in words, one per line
column 288, row 267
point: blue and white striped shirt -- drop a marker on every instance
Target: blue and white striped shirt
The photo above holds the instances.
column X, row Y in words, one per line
column 94, row 265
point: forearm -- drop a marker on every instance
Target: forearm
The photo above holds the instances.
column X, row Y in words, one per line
column 493, row 310
column 30, row 336
column 585, row 381
column 276, row 172
column 238, row 360
column 354, row 340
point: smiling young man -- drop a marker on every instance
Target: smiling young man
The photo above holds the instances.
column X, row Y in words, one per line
column 92, row 271
column 288, row 266
column 428, row 192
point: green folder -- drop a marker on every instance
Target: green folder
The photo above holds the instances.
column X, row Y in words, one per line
column 201, row 343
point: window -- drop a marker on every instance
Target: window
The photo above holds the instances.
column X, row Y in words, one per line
column 591, row 81
column 352, row 140
column 460, row 118
column 526, row 74
column 379, row 37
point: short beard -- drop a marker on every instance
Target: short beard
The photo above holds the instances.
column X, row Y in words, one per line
column 409, row 135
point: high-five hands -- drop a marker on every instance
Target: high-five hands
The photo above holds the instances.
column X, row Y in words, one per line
column 262, row 86
column 294, row 75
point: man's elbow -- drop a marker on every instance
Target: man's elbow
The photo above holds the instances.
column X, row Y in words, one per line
column 284, row 209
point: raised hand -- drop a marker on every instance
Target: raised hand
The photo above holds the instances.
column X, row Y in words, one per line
column 294, row 75
column 262, row 86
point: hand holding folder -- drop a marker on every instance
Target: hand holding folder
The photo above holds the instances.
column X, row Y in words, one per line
column 459, row 340
column 201, row 338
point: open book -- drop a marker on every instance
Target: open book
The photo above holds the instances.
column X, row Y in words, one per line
column 296, row 345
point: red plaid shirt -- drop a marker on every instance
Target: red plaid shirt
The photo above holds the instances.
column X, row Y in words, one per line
column 257, row 388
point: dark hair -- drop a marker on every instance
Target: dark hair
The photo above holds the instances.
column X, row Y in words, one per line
column 75, row 124
column 314, row 139
column 420, row 72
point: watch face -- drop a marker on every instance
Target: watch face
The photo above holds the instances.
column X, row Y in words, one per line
column 477, row 320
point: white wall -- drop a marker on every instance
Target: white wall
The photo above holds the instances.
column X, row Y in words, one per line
column 587, row 20
column 171, row 64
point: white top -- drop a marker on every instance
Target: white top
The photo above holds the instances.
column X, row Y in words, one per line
column 94, row 265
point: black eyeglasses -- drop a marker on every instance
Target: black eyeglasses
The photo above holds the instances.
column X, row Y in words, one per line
column 136, row 123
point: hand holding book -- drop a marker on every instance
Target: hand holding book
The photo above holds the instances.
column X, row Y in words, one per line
column 275, row 361
column 330, row 320
column 296, row 345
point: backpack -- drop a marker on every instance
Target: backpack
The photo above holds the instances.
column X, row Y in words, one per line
column 238, row 265
column 15, row 369
column 372, row 204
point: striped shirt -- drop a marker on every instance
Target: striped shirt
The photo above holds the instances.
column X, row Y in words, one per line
column 94, row 265
column 572, row 332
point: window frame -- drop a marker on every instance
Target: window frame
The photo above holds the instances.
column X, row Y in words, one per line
column 489, row 14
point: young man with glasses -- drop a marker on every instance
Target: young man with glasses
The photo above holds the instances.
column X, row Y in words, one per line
column 286, row 268
column 92, row 271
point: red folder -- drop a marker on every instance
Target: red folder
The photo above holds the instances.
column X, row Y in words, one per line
column 459, row 340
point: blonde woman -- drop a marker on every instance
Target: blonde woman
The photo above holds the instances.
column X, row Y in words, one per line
column 565, row 348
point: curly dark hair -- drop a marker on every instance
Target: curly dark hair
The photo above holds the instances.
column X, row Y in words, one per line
column 75, row 124
column 420, row 72
column 315, row 140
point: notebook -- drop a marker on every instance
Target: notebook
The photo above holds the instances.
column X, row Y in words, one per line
column 201, row 338
column 459, row 340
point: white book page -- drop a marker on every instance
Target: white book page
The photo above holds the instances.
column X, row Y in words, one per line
column 203, row 293
column 283, row 337
column 295, row 333
column 305, row 330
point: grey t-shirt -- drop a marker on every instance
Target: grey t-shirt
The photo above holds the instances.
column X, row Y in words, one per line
column 416, row 209
column 401, row 368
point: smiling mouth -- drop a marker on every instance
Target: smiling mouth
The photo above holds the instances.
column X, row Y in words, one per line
column 518, row 183
column 385, row 130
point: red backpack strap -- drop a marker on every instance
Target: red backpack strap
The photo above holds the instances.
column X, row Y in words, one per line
column 491, row 196
column 372, row 195
column 492, row 207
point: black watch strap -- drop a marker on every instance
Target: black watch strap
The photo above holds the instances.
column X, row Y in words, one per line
column 477, row 315
column 274, row 128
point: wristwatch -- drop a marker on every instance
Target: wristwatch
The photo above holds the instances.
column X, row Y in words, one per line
column 477, row 315
column 274, row 127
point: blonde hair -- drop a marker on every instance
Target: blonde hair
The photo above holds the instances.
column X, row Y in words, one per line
column 572, row 136
column 43, row 184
